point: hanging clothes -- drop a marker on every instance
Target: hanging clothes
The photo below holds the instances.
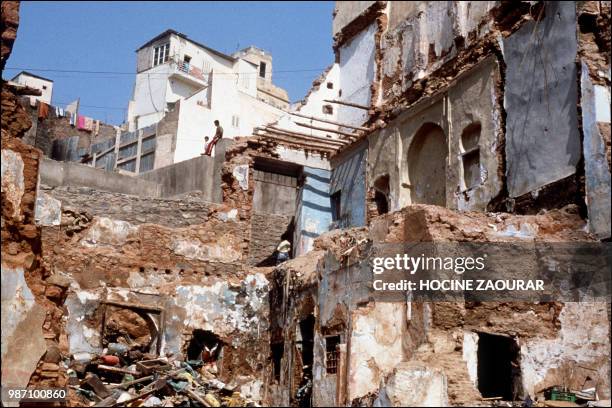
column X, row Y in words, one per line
column 89, row 124
column 81, row 122
column 96, row 127
column 59, row 112
column 73, row 118
column 43, row 110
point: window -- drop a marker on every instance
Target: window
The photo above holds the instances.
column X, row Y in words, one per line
column 44, row 86
column 161, row 54
column 335, row 205
column 186, row 62
column 235, row 121
column 331, row 354
column 328, row 109
column 262, row 69
column 330, row 85
column 471, row 155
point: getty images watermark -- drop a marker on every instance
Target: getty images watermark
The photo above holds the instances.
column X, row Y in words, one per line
column 535, row 271
column 459, row 265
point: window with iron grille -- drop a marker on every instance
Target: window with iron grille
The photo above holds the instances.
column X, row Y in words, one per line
column 331, row 354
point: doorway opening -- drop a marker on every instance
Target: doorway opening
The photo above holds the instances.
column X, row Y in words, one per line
column 499, row 372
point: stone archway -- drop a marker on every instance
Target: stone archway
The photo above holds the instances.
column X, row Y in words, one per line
column 427, row 166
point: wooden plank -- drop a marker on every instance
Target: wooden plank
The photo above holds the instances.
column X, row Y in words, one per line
column 331, row 122
column 353, row 105
column 133, row 305
column 306, row 125
column 306, row 136
column 305, row 145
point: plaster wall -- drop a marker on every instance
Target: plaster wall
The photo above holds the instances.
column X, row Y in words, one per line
column 313, row 212
column 357, row 72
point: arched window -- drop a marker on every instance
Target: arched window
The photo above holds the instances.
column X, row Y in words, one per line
column 427, row 166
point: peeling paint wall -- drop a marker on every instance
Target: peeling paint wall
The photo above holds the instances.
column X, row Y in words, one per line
column 357, row 72
column 596, row 110
column 349, row 178
column 313, row 212
column 540, row 98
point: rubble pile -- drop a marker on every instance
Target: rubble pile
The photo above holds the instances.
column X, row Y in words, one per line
column 123, row 375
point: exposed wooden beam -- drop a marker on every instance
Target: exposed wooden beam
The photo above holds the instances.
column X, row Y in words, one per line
column 353, row 105
column 302, row 144
column 306, row 136
column 297, row 139
column 306, row 125
column 331, row 122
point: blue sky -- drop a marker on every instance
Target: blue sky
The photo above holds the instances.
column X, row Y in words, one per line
column 102, row 36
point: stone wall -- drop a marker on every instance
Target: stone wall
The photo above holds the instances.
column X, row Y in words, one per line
column 189, row 209
column 266, row 232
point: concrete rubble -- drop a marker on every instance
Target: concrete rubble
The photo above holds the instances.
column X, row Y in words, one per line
column 155, row 290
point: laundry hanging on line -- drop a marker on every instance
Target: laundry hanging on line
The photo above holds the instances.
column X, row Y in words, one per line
column 43, row 111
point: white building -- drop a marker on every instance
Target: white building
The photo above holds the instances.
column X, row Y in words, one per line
column 206, row 85
column 37, row 82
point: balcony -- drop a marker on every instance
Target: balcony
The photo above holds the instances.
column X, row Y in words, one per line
column 188, row 73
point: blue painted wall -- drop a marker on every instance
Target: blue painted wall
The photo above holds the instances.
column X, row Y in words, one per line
column 313, row 213
column 349, row 177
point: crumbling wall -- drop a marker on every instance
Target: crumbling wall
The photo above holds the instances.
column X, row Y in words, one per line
column 434, row 342
column 31, row 318
column 349, row 178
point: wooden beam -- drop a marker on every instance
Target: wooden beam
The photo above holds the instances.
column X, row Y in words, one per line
column 292, row 139
column 331, row 122
column 306, row 125
column 304, row 144
column 306, row 135
column 353, row 105
column 338, row 143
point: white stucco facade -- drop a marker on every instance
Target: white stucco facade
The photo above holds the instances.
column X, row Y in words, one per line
column 209, row 85
column 45, row 86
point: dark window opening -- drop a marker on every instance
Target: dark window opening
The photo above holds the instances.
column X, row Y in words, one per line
column 304, row 391
column 204, row 345
column 331, row 354
column 381, row 194
column 499, row 373
column 382, row 205
column 262, row 69
column 330, row 85
column 278, row 350
column 335, row 205
column 328, row 109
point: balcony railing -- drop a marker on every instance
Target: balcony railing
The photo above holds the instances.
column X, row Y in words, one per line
column 190, row 70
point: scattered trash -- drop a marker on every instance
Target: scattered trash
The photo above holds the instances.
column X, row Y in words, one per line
column 125, row 376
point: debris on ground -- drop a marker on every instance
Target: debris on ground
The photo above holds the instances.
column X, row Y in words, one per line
column 116, row 378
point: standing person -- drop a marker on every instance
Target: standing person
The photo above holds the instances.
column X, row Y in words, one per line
column 218, row 136
column 282, row 251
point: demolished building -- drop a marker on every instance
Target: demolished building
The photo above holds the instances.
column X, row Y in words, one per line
column 448, row 124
